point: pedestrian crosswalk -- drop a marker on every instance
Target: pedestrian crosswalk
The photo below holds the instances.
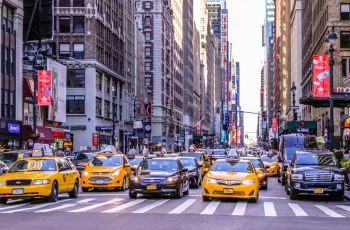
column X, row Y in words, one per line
column 184, row 206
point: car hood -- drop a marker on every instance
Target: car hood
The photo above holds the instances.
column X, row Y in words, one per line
column 162, row 174
column 98, row 169
column 26, row 175
column 228, row 175
column 305, row 168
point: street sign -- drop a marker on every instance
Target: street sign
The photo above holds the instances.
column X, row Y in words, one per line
column 294, row 107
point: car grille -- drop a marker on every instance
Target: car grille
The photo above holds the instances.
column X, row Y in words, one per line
column 153, row 180
column 318, row 176
column 18, row 182
column 234, row 193
column 229, row 182
column 105, row 179
column 100, row 173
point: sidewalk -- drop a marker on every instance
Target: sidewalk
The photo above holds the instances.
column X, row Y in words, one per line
column 347, row 195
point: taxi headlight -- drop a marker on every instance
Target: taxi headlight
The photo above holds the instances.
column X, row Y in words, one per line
column 36, row 182
column 248, row 182
column 2, row 183
column 338, row 177
column 116, row 173
column 261, row 175
column 210, row 180
column 297, row 176
column 172, row 179
column 135, row 179
column 86, row 173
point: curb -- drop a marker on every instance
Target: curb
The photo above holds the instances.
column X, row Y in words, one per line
column 347, row 197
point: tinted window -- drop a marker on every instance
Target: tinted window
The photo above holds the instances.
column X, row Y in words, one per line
column 188, row 162
column 159, row 165
column 195, row 155
column 111, row 161
column 135, row 161
column 257, row 163
column 9, row 157
column 33, row 165
column 225, row 166
column 83, row 156
column 314, row 159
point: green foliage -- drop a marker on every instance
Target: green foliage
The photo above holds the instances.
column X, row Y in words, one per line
column 345, row 163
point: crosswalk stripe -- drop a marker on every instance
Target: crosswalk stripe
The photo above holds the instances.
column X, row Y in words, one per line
column 182, row 207
column 124, row 206
column 240, row 208
column 34, row 207
column 346, row 208
column 269, row 209
column 12, row 206
column 56, row 208
column 328, row 211
column 95, row 205
column 86, row 200
column 298, row 211
column 211, row 207
column 151, row 206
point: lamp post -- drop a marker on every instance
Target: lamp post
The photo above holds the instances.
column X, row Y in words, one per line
column 293, row 89
column 113, row 116
column 330, row 40
column 279, row 110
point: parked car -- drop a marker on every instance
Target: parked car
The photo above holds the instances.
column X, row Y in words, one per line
column 260, row 170
column 314, row 172
column 160, row 176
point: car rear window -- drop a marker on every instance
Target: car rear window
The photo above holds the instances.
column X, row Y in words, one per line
column 226, row 166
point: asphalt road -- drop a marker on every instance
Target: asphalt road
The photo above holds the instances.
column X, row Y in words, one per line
column 114, row 210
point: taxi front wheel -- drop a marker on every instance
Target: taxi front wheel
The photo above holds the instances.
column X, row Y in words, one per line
column 206, row 198
column 75, row 192
column 3, row 200
column 54, row 192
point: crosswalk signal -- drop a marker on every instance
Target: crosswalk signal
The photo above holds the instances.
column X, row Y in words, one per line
column 302, row 124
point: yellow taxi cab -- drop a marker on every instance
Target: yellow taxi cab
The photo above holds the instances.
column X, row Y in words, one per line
column 260, row 171
column 231, row 178
column 271, row 164
column 106, row 171
column 39, row 177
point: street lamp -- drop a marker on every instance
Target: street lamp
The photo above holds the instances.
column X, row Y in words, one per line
column 279, row 111
column 113, row 116
column 293, row 89
column 331, row 40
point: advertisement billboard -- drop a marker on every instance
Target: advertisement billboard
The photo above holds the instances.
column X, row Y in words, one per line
column 274, row 125
column 44, row 88
column 57, row 110
column 320, row 69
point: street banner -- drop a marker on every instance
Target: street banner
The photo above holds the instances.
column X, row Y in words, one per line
column 95, row 139
column 44, row 88
column 320, row 69
column 274, row 125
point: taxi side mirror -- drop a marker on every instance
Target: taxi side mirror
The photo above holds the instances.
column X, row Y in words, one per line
column 127, row 165
column 4, row 170
column 200, row 164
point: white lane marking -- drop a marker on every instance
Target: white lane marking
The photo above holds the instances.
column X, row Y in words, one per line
column 85, row 200
column 211, row 207
column 57, row 208
column 124, row 206
column 151, row 206
column 346, row 208
column 328, row 211
column 87, row 208
column 34, row 207
column 182, row 207
column 12, row 206
column 298, row 211
column 273, row 198
column 102, row 194
column 269, row 209
column 240, row 208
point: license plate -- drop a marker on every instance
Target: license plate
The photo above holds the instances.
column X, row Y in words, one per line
column 17, row 191
column 318, row 190
column 228, row 190
column 151, row 187
column 100, row 181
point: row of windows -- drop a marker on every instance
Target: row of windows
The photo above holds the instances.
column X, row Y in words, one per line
column 69, row 3
column 74, row 24
column 66, row 51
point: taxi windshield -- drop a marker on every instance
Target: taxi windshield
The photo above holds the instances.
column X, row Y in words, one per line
column 188, row 162
column 108, row 161
column 226, row 166
column 257, row 163
column 33, row 165
column 84, row 156
column 135, row 161
column 197, row 156
column 268, row 159
column 159, row 165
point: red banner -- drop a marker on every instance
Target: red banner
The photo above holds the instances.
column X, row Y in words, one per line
column 320, row 69
column 95, row 139
column 274, row 125
column 44, row 88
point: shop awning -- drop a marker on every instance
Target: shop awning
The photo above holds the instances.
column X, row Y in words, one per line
column 45, row 134
column 340, row 101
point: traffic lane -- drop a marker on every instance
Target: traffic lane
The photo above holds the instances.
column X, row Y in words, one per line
column 153, row 222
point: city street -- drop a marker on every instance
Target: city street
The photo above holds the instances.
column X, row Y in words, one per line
column 114, row 210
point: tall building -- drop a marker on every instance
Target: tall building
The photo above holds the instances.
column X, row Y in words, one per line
column 156, row 21
column 196, row 83
column 11, row 41
column 214, row 13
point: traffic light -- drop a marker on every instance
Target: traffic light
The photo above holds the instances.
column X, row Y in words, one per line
column 302, row 124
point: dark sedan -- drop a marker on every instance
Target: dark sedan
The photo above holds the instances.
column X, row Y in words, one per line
column 159, row 176
column 194, row 170
column 82, row 158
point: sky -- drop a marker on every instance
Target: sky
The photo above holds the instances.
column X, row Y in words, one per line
column 246, row 18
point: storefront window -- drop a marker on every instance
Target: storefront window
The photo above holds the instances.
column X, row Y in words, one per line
column 28, row 115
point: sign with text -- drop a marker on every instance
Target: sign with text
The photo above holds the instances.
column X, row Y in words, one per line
column 95, row 139
column 320, row 69
column 44, row 88
column 274, row 125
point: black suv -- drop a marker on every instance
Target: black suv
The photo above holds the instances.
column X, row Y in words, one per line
column 314, row 172
column 160, row 176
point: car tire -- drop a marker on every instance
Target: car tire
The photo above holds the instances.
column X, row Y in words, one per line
column 286, row 189
column 3, row 200
column 197, row 184
column 292, row 194
column 205, row 198
column 283, row 180
column 54, row 193
column 123, row 188
column 339, row 196
column 132, row 194
column 75, row 192
column 256, row 199
column 278, row 177
column 85, row 189
column 187, row 192
column 179, row 193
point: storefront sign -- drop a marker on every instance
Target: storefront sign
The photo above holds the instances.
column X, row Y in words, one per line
column 320, row 68
column 104, row 128
column 95, row 139
column 44, row 88
column 342, row 90
column 14, row 128
column 274, row 125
